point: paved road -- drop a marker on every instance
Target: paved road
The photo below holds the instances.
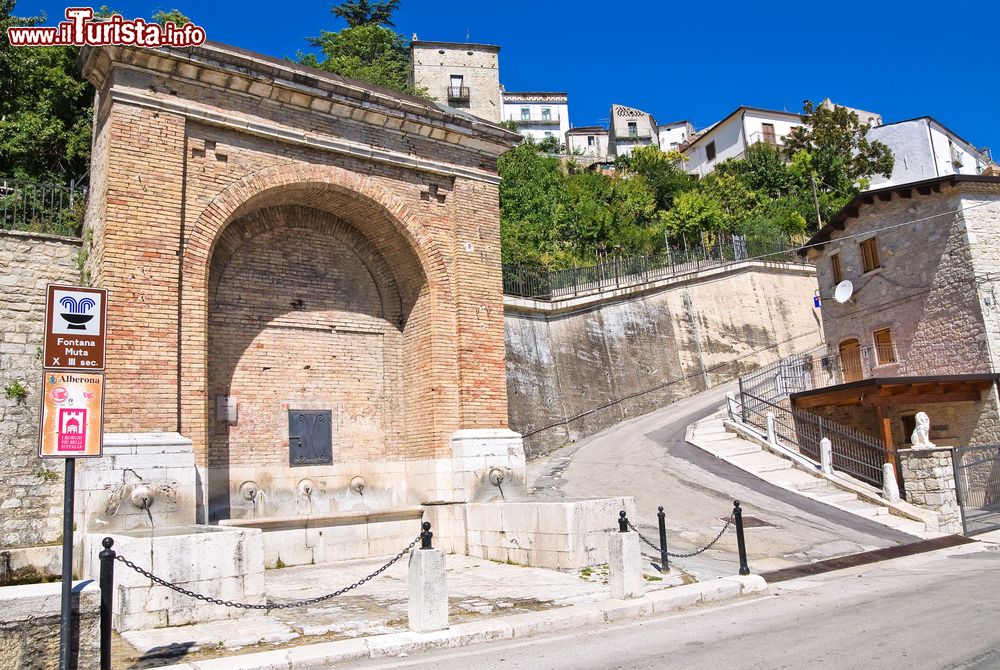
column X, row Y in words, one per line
column 926, row 612
column 649, row 458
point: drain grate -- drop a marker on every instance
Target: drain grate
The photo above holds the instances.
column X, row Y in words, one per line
column 752, row 522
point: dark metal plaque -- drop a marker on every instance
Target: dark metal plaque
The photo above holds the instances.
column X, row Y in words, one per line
column 310, row 437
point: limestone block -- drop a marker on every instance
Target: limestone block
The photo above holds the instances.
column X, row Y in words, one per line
column 427, row 608
column 625, row 565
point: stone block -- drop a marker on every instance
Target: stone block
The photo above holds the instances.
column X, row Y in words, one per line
column 624, row 565
column 427, row 607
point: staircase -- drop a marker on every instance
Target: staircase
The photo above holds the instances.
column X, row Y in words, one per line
column 711, row 435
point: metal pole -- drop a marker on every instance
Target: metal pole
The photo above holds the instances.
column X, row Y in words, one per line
column 66, row 621
column 622, row 522
column 426, row 535
column 743, row 402
column 819, row 222
column 740, row 541
column 107, row 582
column 662, row 518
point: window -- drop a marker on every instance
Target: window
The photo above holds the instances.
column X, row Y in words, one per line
column 548, row 134
column 885, row 350
column 838, row 275
column 869, row 254
column 710, row 151
column 633, row 129
column 767, row 131
column 457, row 80
column 525, row 113
column 590, row 140
column 546, row 114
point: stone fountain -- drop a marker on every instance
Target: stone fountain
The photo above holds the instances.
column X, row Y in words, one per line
column 143, row 494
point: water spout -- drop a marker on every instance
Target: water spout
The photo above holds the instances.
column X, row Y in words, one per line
column 496, row 478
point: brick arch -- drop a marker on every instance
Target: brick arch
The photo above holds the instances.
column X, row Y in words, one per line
column 394, row 231
column 276, row 184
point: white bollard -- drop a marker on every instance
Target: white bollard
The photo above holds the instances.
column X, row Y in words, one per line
column 427, row 609
column 771, row 436
column 826, row 455
column 890, row 488
column 624, row 565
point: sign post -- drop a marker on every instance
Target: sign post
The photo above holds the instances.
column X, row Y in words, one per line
column 71, row 422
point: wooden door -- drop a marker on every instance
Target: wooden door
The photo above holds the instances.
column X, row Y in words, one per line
column 850, row 360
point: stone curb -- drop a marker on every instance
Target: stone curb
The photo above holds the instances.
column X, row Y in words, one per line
column 323, row 655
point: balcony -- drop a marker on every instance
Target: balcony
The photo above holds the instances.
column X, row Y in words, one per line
column 458, row 94
column 536, row 119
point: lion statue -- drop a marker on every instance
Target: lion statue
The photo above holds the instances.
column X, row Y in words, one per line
column 921, row 434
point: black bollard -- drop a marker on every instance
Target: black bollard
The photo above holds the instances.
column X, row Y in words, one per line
column 622, row 522
column 662, row 518
column 426, row 535
column 107, row 583
column 740, row 541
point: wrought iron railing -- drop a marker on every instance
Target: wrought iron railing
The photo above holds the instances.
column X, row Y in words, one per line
column 680, row 257
column 854, row 452
column 41, row 208
column 458, row 92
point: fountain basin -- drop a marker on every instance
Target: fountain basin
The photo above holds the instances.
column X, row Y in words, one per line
column 561, row 533
column 225, row 563
column 339, row 536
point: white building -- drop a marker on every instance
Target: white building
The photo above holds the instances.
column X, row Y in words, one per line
column 730, row 137
column 630, row 128
column 588, row 142
column 673, row 136
column 538, row 115
column 925, row 149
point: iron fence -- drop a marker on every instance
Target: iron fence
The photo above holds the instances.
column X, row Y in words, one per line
column 680, row 257
column 41, row 208
column 977, row 487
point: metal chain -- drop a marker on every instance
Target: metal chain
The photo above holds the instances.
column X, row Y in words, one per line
column 268, row 606
column 693, row 553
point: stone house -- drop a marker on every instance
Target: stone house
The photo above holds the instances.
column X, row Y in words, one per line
column 916, row 328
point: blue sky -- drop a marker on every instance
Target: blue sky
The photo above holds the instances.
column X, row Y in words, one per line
column 692, row 60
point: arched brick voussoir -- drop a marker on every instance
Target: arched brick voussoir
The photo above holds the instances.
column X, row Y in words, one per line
column 280, row 184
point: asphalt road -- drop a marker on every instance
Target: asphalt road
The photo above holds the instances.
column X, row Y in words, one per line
column 648, row 457
column 926, row 612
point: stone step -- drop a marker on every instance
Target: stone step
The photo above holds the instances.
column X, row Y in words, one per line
column 761, row 462
column 861, row 508
column 714, row 437
column 811, row 484
column 835, row 496
column 905, row 525
column 738, row 449
column 796, row 479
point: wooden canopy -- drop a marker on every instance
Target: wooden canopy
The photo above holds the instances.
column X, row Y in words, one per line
column 884, row 392
column 892, row 391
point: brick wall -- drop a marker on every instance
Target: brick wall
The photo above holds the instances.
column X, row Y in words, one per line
column 230, row 190
column 30, row 489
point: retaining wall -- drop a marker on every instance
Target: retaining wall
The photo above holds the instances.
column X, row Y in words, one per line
column 579, row 365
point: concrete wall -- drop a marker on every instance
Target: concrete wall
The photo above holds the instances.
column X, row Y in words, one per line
column 577, row 366
column 30, row 489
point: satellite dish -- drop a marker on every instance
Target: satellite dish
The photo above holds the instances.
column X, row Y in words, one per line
column 844, row 291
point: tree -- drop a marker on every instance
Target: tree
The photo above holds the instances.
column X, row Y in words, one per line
column 842, row 156
column 366, row 49
column 45, row 108
column 363, row 13
column 694, row 212
column 174, row 16
column 662, row 170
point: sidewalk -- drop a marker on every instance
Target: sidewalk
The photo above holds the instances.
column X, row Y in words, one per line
column 487, row 601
